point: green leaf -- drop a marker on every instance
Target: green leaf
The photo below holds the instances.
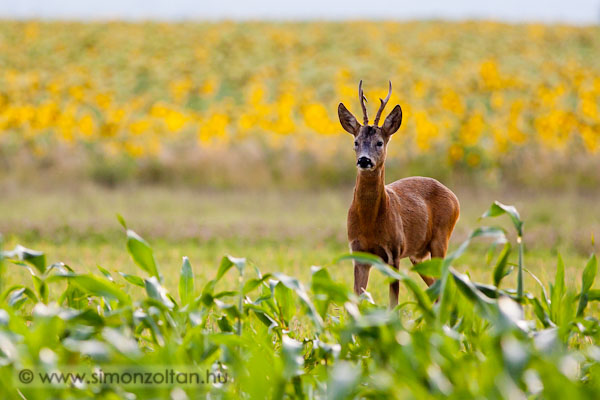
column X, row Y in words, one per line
column 253, row 283
column 431, row 268
column 227, row 339
column 497, row 209
column 122, row 221
column 490, row 291
column 99, row 287
column 154, row 329
column 42, row 288
column 326, row 290
column 134, row 279
column 33, row 257
column 557, row 291
column 105, row 273
column 224, row 324
column 322, row 283
column 16, row 295
column 365, row 258
column 421, row 297
column 539, row 311
column 343, row 381
column 285, row 302
column 594, row 295
column 445, row 287
column 226, row 293
column 240, row 263
column 124, row 343
column 293, row 361
column 60, row 268
column 467, row 288
column 539, row 282
column 186, row 282
column 559, row 280
column 496, row 234
column 589, row 274
column 158, row 292
column 142, row 254
column 490, row 254
column 230, row 309
column 225, row 266
column 515, row 356
column 587, row 280
column 378, row 264
column 583, row 301
column 227, row 263
column 298, row 288
column 501, row 269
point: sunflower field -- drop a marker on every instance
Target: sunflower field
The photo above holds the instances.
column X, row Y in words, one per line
column 476, row 96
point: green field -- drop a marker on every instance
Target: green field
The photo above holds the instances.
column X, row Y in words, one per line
column 194, row 180
column 273, row 335
column 277, row 231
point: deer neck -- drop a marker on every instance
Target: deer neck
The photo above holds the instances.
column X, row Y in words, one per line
column 370, row 198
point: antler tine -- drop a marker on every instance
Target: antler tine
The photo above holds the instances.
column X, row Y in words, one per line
column 362, row 99
column 383, row 104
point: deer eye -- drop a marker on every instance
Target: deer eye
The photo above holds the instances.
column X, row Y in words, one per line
column 355, row 144
column 379, row 144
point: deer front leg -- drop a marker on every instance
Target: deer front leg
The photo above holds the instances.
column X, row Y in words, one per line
column 361, row 277
column 394, row 288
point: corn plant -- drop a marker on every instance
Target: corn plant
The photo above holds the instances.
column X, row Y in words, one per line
column 273, row 336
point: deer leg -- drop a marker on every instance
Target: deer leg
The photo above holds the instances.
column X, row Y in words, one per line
column 438, row 247
column 394, row 288
column 361, row 277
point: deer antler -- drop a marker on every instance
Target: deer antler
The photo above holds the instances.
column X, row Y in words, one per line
column 383, row 103
column 362, row 99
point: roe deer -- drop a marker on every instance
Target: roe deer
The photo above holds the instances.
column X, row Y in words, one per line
column 412, row 217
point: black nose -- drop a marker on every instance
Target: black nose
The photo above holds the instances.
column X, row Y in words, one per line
column 364, row 162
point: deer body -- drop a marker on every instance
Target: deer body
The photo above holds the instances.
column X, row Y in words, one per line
column 411, row 217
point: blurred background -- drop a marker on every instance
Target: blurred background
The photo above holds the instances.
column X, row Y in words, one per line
column 213, row 126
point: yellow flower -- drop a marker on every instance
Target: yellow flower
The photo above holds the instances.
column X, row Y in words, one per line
column 490, row 74
column 140, row 126
column 175, row 120
column 456, row 153
column 180, row 88
column 86, row 125
column 213, row 127
column 208, row 87
column 133, row 149
column 316, row 118
column 591, row 138
column 497, row 100
column 104, row 100
column 427, row 131
column 451, row 101
column 472, row 129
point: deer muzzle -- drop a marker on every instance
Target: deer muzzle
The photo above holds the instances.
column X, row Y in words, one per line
column 364, row 163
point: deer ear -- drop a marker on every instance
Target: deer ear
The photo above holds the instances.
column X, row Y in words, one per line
column 392, row 121
column 348, row 121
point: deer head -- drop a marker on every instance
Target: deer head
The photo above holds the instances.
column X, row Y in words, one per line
column 370, row 141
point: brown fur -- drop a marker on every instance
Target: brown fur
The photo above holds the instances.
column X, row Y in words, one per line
column 411, row 217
